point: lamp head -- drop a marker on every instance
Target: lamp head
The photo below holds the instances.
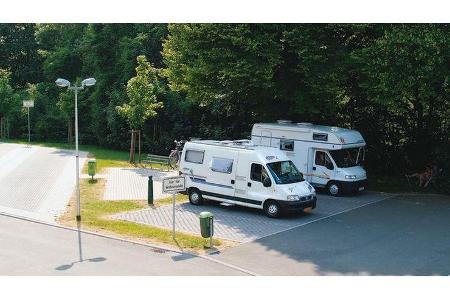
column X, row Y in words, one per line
column 62, row 82
column 88, row 82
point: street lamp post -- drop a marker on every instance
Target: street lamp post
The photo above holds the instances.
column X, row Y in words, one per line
column 65, row 83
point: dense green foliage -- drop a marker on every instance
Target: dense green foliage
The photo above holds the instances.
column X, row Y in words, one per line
column 142, row 91
column 391, row 82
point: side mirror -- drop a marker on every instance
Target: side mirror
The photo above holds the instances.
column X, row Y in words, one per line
column 267, row 182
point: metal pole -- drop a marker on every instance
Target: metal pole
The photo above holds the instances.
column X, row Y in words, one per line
column 211, row 220
column 77, row 156
column 173, row 217
column 29, row 138
column 150, row 190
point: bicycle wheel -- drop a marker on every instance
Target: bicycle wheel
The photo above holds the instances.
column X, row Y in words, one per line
column 173, row 159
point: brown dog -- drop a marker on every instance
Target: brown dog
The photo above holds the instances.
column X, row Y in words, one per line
column 424, row 177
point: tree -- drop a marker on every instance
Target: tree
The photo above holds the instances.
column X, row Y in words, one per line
column 226, row 69
column 19, row 54
column 142, row 92
column 407, row 73
column 7, row 101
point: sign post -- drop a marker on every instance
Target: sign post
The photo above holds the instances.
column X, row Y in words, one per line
column 173, row 185
column 28, row 104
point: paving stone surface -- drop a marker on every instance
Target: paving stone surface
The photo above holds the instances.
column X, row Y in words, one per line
column 243, row 224
column 36, row 182
column 132, row 183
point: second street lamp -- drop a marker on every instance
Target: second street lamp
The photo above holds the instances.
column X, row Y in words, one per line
column 66, row 83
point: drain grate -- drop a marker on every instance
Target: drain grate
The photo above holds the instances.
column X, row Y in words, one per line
column 156, row 250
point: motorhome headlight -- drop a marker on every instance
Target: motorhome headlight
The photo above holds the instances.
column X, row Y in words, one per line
column 293, row 198
column 350, row 176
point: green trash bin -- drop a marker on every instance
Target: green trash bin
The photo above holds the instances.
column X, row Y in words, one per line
column 92, row 167
column 206, row 224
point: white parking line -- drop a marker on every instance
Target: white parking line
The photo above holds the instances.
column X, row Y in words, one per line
column 325, row 217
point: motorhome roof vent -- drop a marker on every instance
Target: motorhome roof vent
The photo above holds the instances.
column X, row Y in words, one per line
column 284, row 121
column 304, row 124
column 242, row 142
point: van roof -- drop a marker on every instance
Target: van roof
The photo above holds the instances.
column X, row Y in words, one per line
column 238, row 144
column 338, row 136
column 305, row 126
column 266, row 154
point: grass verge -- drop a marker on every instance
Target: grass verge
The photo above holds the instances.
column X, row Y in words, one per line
column 105, row 157
column 96, row 216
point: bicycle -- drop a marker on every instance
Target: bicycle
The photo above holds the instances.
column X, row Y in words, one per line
column 175, row 154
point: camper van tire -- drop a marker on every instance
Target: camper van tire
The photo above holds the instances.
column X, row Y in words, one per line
column 195, row 196
column 334, row 188
column 272, row 209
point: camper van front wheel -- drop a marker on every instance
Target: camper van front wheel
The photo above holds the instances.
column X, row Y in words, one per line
column 334, row 189
column 195, row 197
column 272, row 209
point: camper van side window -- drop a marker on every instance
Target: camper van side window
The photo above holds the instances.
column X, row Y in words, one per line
column 287, row 145
column 222, row 165
column 194, row 156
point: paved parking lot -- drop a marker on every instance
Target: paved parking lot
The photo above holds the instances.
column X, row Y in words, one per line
column 403, row 235
column 36, row 182
column 243, row 224
column 132, row 183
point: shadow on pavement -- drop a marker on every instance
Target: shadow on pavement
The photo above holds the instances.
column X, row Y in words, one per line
column 66, row 267
column 404, row 235
column 158, row 175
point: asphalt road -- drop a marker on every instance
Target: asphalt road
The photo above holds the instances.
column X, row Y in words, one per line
column 403, row 235
column 29, row 248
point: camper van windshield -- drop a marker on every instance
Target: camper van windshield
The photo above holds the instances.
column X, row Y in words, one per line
column 346, row 158
column 285, row 172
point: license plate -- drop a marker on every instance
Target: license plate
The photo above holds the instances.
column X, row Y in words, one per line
column 361, row 188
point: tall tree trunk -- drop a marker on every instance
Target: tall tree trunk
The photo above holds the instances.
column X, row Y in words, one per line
column 7, row 127
column 69, row 132
column 132, row 146
column 139, row 133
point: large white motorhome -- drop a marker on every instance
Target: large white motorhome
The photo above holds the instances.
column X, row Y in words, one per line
column 236, row 172
column 329, row 157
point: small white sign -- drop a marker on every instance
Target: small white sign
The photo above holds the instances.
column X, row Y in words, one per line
column 173, row 184
column 28, row 103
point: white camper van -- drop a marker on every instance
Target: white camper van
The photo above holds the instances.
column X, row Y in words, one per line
column 329, row 157
column 235, row 172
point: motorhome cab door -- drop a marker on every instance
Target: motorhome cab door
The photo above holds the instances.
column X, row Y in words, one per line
column 323, row 168
column 256, row 191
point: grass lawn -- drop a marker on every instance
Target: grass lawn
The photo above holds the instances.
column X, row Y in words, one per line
column 96, row 216
column 95, row 212
column 105, row 157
